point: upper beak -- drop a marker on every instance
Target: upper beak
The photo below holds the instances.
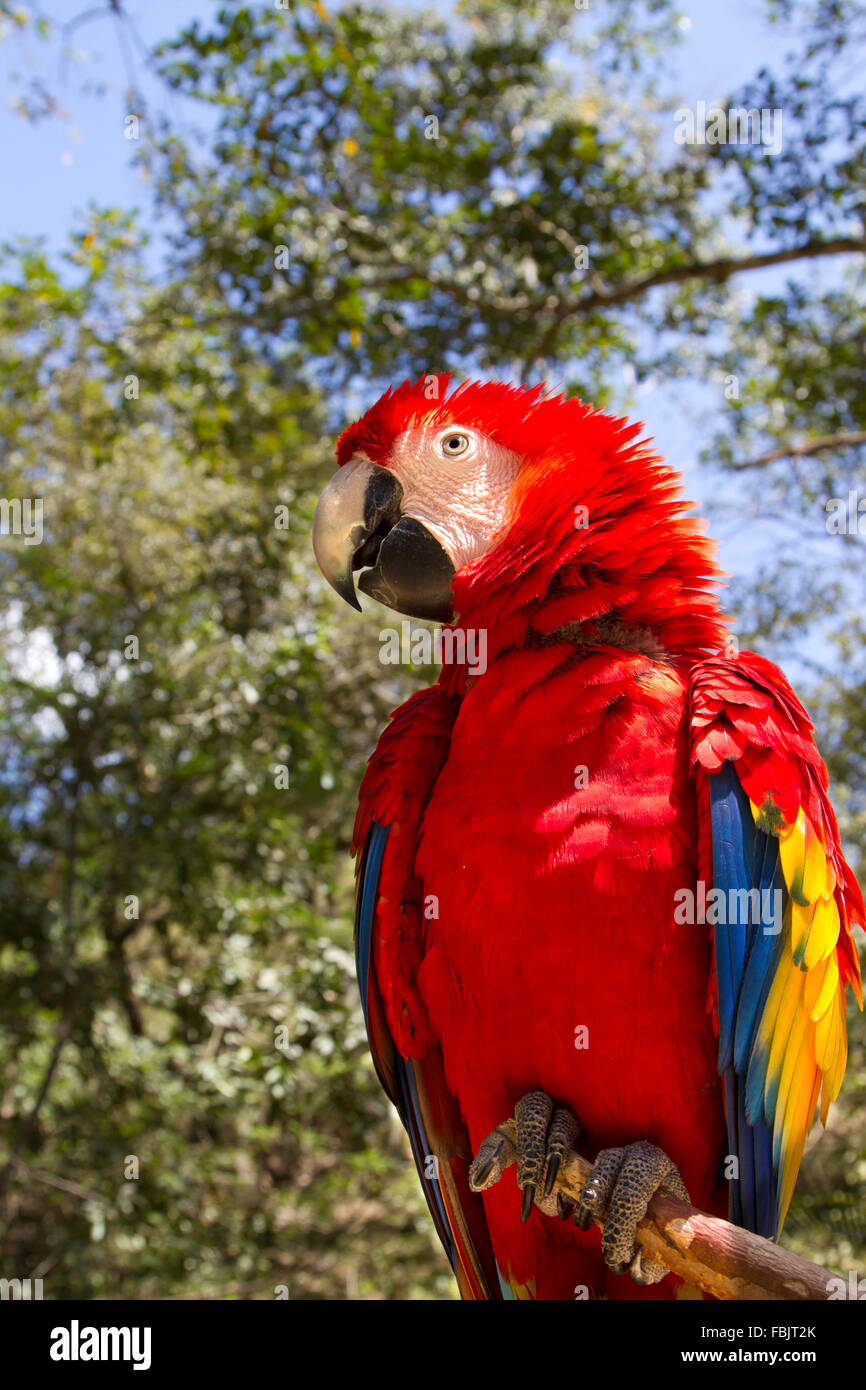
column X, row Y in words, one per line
column 344, row 521
column 359, row 525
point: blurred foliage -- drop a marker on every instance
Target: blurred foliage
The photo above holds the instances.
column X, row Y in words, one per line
column 265, row 1157
column 369, row 192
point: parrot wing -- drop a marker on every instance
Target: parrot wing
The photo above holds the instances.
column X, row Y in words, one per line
column 389, row 945
column 784, row 951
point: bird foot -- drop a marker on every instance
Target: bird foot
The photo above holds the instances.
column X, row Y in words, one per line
column 622, row 1183
column 617, row 1192
column 545, row 1133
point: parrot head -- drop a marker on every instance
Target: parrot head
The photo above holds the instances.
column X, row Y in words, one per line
column 439, row 498
column 422, row 489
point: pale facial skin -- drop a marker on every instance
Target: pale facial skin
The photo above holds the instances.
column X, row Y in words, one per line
column 456, row 482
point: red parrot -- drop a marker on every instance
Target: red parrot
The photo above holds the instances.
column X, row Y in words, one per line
column 600, row 885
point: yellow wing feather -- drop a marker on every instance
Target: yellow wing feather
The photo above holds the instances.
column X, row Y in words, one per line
column 802, row 1035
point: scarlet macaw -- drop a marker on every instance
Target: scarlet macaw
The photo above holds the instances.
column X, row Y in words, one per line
column 536, row 843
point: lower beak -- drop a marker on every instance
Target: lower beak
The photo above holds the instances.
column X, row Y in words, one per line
column 359, row 525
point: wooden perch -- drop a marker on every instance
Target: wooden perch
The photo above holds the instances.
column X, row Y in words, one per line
column 717, row 1257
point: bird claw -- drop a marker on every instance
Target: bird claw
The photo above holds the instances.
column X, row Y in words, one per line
column 617, row 1192
column 622, row 1183
column 545, row 1133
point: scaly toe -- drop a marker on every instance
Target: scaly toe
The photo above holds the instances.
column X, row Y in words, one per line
column 623, row 1181
column 562, row 1133
column 491, row 1160
column 532, row 1114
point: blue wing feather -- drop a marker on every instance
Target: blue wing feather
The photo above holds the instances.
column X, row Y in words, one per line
column 395, row 1073
column 733, row 853
column 368, row 888
column 415, row 1088
column 747, row 946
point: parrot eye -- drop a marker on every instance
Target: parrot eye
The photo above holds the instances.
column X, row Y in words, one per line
column 454, row 445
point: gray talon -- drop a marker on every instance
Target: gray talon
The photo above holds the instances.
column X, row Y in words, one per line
column 646, row 1271
column 564, row 1207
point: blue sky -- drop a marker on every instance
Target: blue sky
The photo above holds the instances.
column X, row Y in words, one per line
column 52, row 169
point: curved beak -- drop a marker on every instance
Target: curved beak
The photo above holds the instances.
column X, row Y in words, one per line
column 360, row 525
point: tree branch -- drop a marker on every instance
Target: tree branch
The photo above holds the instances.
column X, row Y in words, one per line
column 719, row 270
column 28, row 1125
column 845, row 439
column 719, row 1258
column 62, row 1184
